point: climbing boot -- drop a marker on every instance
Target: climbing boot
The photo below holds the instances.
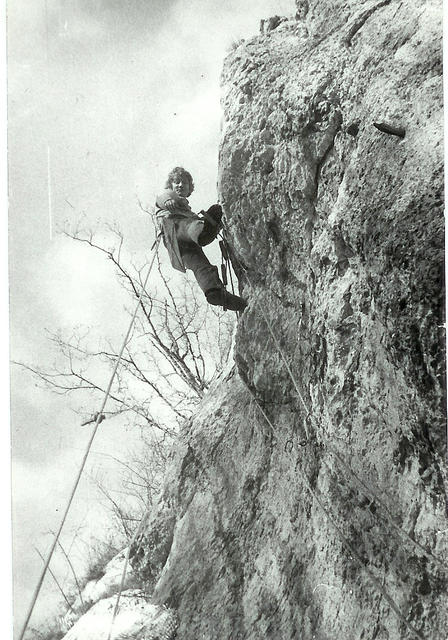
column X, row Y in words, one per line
column 212, row 224
column 222, row 298
column 214, row 215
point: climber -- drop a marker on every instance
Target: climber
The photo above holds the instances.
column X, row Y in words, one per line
column 185, row 232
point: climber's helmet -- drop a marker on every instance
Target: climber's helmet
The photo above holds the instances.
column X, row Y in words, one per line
column 180, row 181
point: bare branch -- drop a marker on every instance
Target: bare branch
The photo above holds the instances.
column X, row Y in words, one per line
column 70, row 564
column 54, row 578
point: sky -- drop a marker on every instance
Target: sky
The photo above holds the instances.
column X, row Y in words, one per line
column 104, row 98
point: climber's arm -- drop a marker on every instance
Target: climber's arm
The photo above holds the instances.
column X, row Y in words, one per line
column 170, row 201
column 170, row 205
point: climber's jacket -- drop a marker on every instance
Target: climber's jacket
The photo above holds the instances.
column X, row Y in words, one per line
column 180, row 224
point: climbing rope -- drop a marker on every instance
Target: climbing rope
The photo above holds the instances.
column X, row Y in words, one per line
column 224, row 263
column 226, row 266
column 229, row 266
column 99, row 416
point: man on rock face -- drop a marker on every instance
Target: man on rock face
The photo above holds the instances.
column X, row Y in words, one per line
column 185, row 232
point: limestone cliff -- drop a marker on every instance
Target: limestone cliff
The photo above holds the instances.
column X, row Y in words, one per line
column 310, row 531
column 305, row 499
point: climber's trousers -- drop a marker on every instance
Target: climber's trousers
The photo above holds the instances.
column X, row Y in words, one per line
column 195, row 259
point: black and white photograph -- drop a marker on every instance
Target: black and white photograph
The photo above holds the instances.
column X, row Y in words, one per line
column 226, row 341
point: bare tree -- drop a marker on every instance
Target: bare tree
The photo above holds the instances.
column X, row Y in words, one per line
column 139, row 480
column 177, row 346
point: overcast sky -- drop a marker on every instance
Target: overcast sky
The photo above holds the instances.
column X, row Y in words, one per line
column 104, row 98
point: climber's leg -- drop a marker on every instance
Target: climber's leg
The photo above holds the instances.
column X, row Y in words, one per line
column 223, row 298
column 212, row 225
column 189, row 229
column 208, row 279
column 195, row 259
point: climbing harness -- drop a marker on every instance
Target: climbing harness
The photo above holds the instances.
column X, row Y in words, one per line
column 98, row 419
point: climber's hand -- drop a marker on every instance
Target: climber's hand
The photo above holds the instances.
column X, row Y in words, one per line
column 171, row 205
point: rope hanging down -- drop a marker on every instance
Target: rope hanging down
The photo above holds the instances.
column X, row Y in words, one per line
column 226, row 267
column 98, row 420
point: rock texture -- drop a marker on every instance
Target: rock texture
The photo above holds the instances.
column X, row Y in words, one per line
column 306, row 499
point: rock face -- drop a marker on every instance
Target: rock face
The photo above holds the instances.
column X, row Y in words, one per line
column 306, row 498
